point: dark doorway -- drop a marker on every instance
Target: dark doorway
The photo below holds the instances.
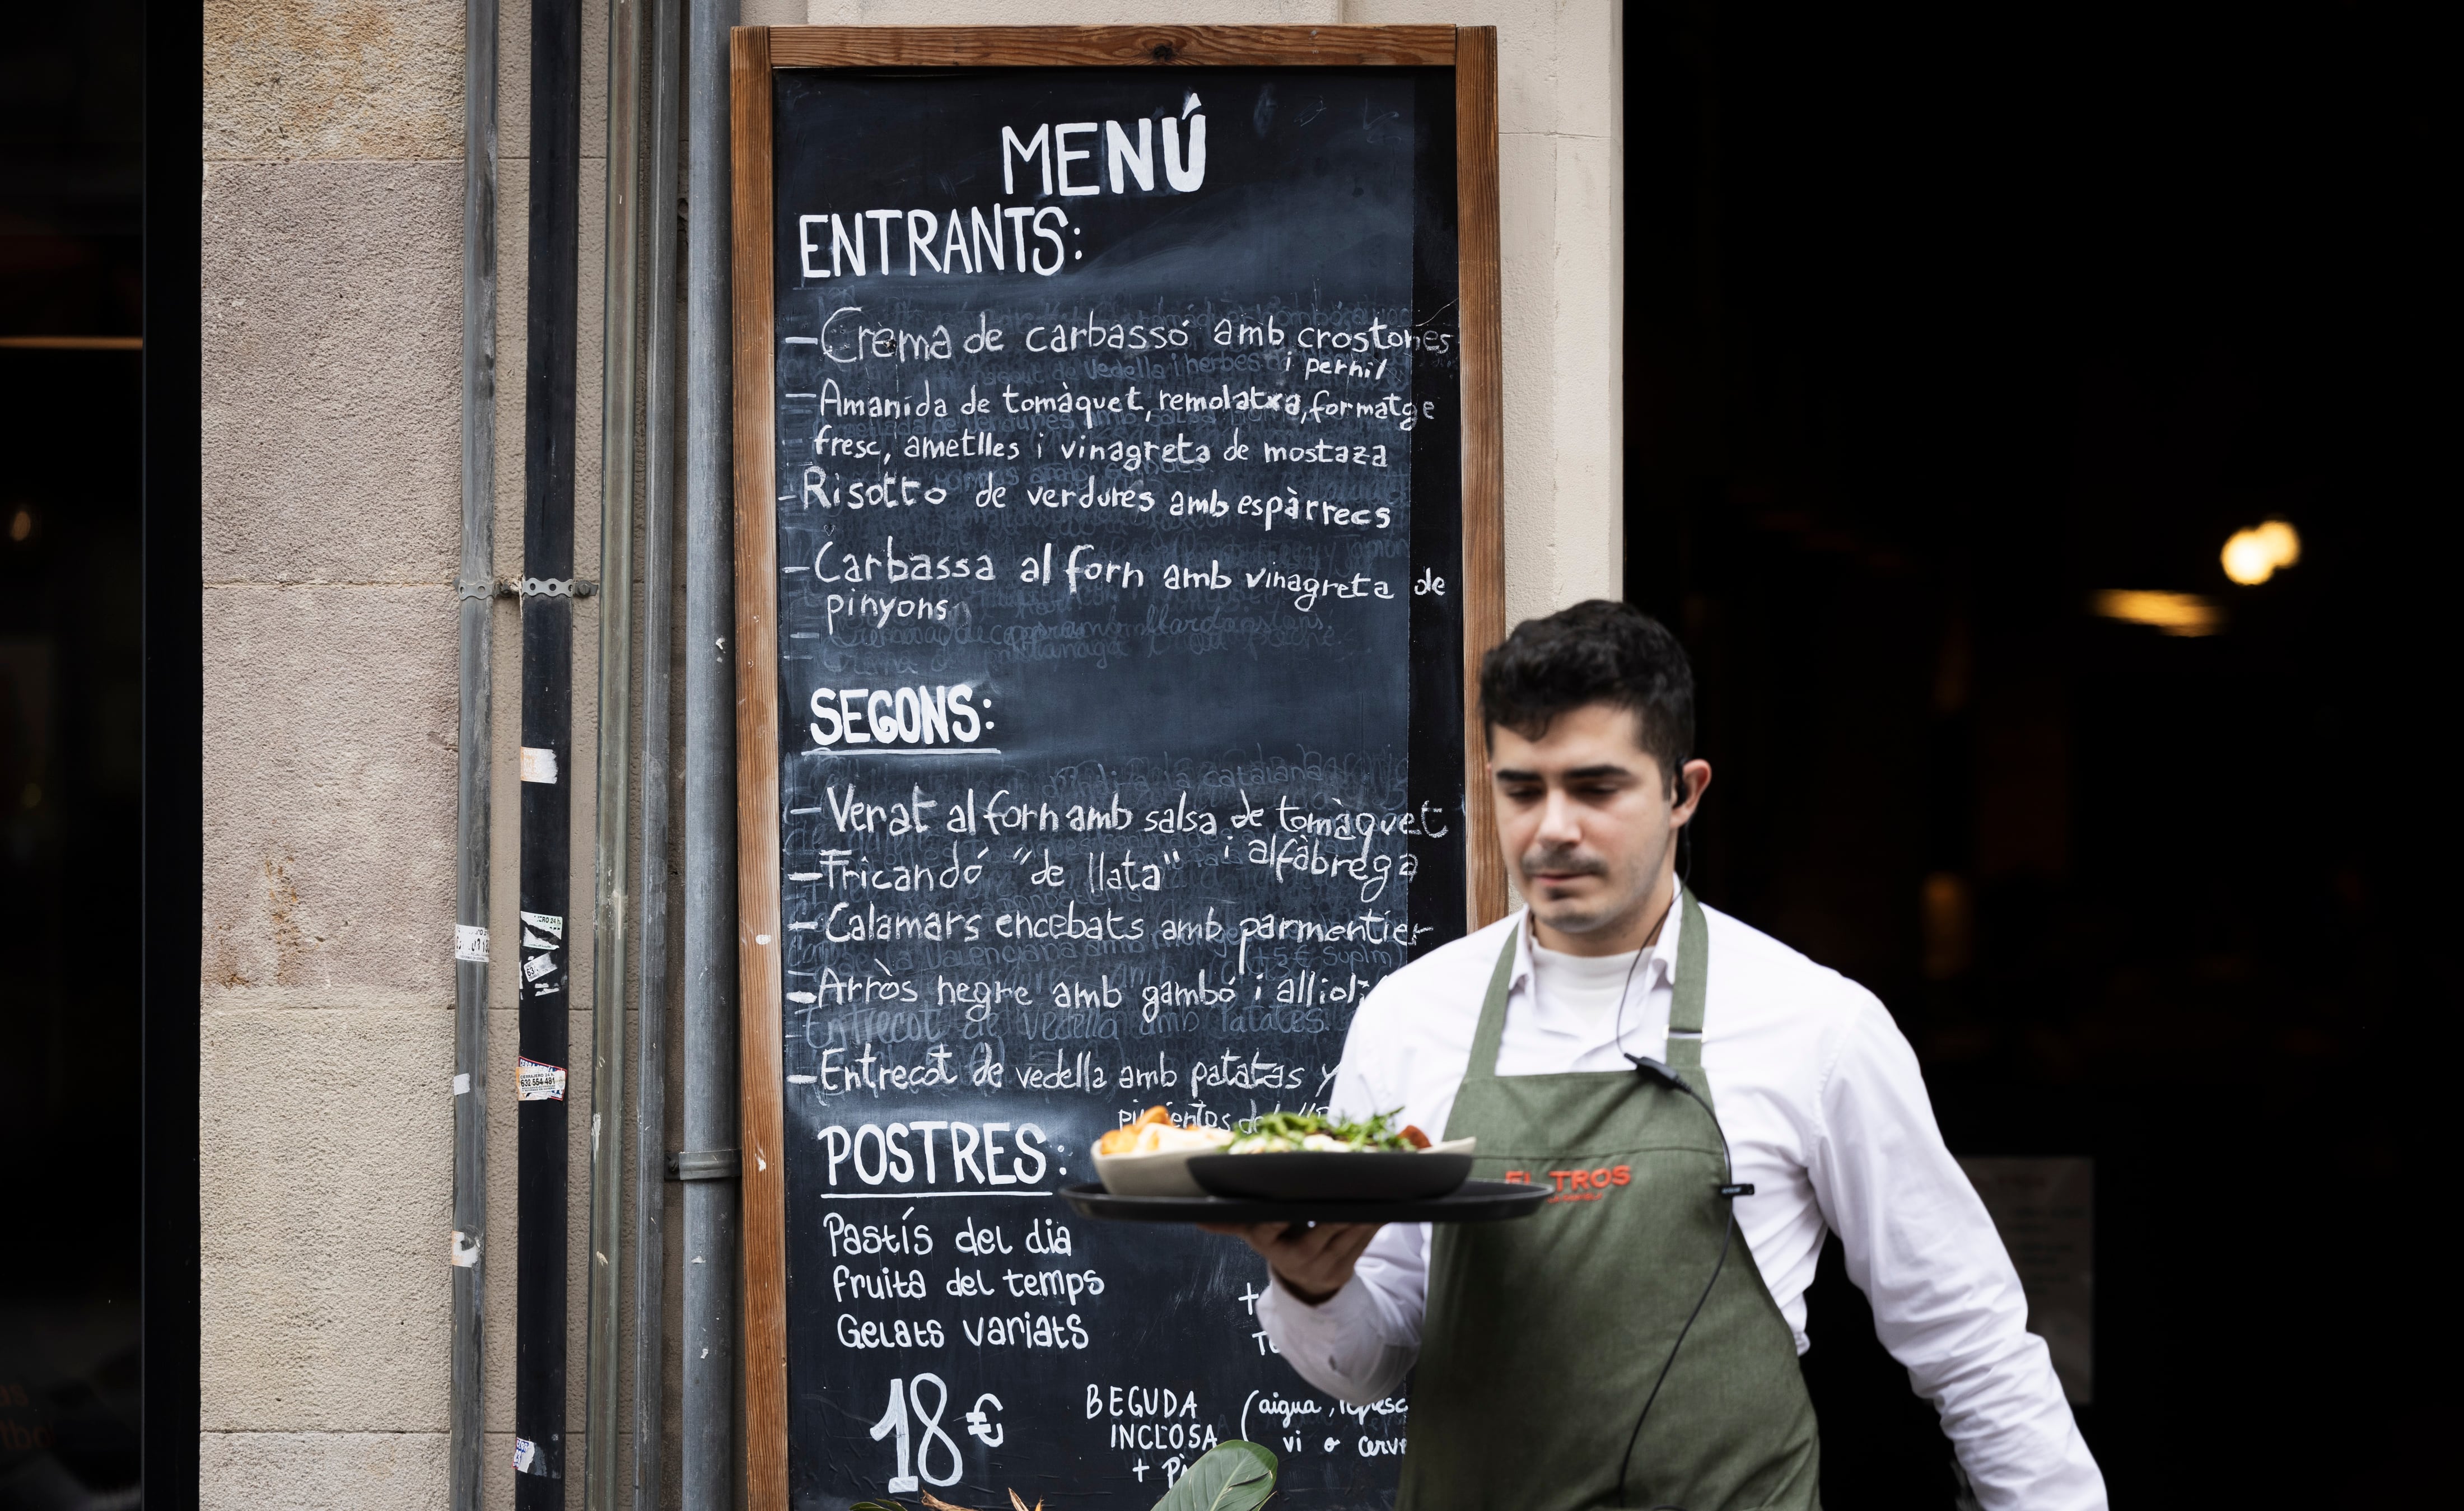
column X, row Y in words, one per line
column 1944, row 330
column 71, row 160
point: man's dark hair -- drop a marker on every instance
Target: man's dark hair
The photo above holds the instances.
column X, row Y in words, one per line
column 1593, row 652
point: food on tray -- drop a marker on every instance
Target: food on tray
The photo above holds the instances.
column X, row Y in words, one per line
column 1154, row 1132
column 1151, row 1156
column 1314, row 1133
column 1308, row 1157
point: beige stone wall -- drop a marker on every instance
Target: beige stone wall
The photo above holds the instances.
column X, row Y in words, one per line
column 331, row 301
column 332, row 291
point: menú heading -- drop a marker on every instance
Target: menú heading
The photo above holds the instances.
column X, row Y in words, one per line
column 1012, row 237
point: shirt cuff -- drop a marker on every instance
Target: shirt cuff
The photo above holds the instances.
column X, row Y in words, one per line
column 1338, row 1344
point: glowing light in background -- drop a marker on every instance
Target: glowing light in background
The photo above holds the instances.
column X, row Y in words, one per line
column 1947, row 913
column 2253, row 555
column 2171, row 613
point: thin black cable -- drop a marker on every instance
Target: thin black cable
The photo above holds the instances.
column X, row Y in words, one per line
column 1628, row 987
column 1685, row 859
column 1728, row 1231
column 1623, row 992
column 1653, row 1067
column 1727, row 1235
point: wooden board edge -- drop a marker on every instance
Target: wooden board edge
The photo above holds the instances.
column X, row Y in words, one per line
column 761, row 1086
column 1110, row 45
column 1483, row 446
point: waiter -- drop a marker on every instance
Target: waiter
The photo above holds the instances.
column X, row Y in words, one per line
column 1707, row 1102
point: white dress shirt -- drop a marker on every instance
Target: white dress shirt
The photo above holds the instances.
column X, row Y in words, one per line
column 1826, row 1116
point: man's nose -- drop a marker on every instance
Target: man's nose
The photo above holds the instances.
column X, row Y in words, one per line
column 1559, row 827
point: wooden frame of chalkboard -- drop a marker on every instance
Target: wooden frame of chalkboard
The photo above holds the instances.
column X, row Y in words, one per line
column 757, row 54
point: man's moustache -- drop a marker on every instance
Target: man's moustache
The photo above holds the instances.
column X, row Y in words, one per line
column 1562, row 864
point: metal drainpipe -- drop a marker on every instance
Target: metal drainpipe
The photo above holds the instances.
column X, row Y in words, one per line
column 621, row 369
column 475, row 590
column 709, row 1122
column 542, row 1185
column 658, row 587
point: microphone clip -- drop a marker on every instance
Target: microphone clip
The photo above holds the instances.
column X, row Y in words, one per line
column 1644, row 1064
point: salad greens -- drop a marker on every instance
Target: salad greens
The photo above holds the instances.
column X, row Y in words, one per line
column 1289, row 1132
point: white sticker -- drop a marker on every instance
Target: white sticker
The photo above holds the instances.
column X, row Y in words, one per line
column 536, row 966
column 545, row 989
column 532, row 941
column 538, row 765
column 466, row 1249
column 525, row 1457
column 470, row 943
column 461, row 1082
column 761, row 939
column 545, row 923
column 536, row 1081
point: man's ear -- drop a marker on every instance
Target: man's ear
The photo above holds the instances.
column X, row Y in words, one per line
column 1693, row 779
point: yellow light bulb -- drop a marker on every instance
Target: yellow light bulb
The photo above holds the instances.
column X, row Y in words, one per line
column 2250, row 556
column 2247, row 559
column 2284, row 542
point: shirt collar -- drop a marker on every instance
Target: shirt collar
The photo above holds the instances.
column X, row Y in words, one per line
column 1658, row 966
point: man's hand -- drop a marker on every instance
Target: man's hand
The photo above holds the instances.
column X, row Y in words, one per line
column 1314, row 1261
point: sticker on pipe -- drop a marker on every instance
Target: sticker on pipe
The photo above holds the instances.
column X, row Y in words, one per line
column 536, row 1081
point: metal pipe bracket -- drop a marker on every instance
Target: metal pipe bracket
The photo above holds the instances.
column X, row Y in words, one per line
column 705, row 1164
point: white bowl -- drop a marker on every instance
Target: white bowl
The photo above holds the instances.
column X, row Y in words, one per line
column 1164, row 1172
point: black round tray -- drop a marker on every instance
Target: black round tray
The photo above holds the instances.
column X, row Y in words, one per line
column 1306, row 1175
column 1473, row 1202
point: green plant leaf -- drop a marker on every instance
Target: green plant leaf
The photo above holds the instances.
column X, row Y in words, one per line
column 1233, row 1476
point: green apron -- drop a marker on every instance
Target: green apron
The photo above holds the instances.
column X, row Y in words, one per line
column 1544, row 1335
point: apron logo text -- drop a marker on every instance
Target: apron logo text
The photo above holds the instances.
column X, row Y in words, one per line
column 1579, row 1185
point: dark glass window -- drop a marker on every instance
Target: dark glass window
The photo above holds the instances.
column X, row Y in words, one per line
column 1944, row 329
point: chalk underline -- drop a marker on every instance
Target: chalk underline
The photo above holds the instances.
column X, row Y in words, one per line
column 945, row 749
column 919, row 1195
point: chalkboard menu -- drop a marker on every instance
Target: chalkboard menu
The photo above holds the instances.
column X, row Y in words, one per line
column 1107, row 574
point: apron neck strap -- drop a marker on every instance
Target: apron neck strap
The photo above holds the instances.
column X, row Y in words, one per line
column 1684, row 1050
column 1492, row 1010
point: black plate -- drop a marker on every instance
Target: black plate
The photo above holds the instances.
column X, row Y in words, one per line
column 1473, row 1202
column 1321, row 1175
